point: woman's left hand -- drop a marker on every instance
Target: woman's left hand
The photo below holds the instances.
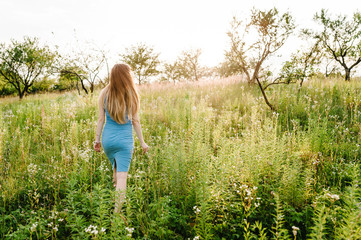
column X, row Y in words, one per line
column 145, row 147
column 97, row 146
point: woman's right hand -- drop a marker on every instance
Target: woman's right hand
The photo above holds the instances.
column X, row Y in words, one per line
column 145, row 147
column 97, row 146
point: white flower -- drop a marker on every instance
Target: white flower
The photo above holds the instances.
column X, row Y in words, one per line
column 333, row 196
column 33, row 228
column 130, row 230
column 243, row 186
column 55, row 229
column 294, row 230
column 196, row 209
column 196, row 238
column 89, row 229
column 103, row 230
column 32, row 169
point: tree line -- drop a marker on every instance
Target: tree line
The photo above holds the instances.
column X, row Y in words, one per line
column 26, row 66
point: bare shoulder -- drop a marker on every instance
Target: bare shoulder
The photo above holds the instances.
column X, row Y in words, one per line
column 102, row 92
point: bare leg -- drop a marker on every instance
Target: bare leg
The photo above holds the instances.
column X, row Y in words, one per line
column 115, row 177
column 121, row 186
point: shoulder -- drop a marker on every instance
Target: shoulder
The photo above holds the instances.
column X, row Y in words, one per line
column 103, row 92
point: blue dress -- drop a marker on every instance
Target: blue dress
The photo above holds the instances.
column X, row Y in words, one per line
column 117, row 142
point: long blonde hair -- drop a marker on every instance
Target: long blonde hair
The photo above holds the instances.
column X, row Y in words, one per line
column 122, row 96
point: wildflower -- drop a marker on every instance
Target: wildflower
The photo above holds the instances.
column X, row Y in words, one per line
column 130, row 231
column 334, row 197
column 55, row 228
column 196, row 238
column 196, row 209
column 92, row 229
column 294, row 230
column 33, row 228
column 32, row 169
column 103, row 230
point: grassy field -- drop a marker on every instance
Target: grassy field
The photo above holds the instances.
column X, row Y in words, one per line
column 221, row 165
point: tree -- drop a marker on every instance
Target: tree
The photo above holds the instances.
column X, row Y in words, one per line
column 85, row 66
column 143, row 60
column 22, row 63
column 171, row 72
column 70, row 75
column 228, row 68
column 302, row 65
column 341, row 38
column 189, row 66
column 254, row 41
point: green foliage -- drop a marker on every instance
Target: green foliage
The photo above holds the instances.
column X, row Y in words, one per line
column 44, row 85
column 302, row 65
column 228, row 68
column 83, row 66
column 143, row 60
column 341, row 38
column 188, row 65
column 22, row 63
column 278, row 230
column 172, row 72
column 6, row 88
column 252, row 42
column 221, row 166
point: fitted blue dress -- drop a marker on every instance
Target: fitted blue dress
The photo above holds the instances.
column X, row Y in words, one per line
column 117, row 141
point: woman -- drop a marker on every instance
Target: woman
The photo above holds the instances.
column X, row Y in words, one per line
column 119, row 102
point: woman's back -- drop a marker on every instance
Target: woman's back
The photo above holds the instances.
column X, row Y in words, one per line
column 117, row 141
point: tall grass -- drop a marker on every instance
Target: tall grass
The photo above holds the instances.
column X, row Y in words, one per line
column 221, row 165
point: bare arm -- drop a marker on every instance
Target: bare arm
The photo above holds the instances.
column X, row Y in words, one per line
column 138, row 130
column 101, row 119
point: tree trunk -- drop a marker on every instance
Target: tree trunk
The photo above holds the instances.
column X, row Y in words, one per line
column 77, row 87
column 347, row 74
column 264, row 96
column 82, row 85
column 21, row 94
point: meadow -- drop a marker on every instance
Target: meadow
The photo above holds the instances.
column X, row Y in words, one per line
column 221, row 165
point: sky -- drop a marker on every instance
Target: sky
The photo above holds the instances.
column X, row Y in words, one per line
column 170, row 27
